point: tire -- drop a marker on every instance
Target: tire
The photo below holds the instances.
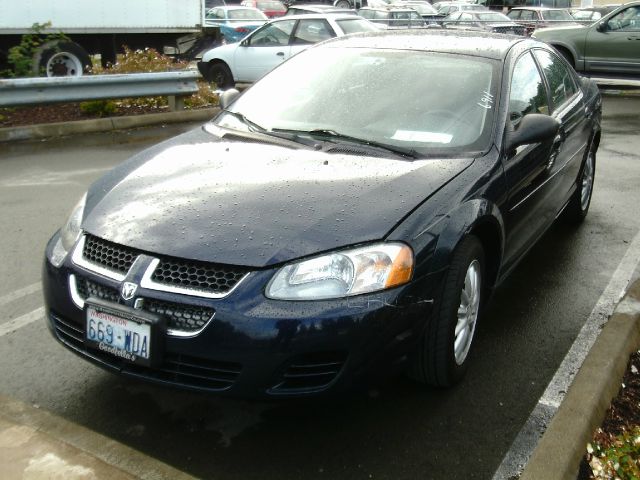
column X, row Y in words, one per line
column 342, row 4
column 61, row 59
column 578, row 206
column 441, row 358
column 220, row 74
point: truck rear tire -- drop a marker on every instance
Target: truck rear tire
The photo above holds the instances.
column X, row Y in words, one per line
column 61, row 59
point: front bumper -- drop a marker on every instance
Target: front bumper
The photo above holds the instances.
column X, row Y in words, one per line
column 254, row 346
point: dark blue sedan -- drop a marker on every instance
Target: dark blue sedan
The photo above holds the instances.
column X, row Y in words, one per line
column 344, row 219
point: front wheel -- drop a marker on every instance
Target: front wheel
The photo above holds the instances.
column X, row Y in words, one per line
column 220, row 74
column 342, row 4
column 442, row 355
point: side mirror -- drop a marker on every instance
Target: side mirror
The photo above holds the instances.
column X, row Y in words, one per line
column 602, row 27
column 227, row 97
column 533, row 128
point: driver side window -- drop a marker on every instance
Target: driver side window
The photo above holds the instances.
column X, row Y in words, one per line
column 273, row 35
column 528, row 93
column 627, row 20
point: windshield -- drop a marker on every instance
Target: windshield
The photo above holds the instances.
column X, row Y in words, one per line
column 422, row 8
column 557, row 15
column 246, row 14
column 271, row 5
column 427, row 102
column 355, row 25
column 493, row 17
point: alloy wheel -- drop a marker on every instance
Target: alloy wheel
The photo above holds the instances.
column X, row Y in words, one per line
column 467, row 312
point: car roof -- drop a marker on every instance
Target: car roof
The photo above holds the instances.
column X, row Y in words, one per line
column 333, row 15
column 495, row 46
column 540, row 9
column 231, row 7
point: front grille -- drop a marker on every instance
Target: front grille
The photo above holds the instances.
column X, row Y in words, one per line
column 514, row 30
column 180, row 317
column 108, row 254
column 87, row 288
column 217, row 279
column 176, row 369
column 185, row 318
column 310, row 372
column 207, row 278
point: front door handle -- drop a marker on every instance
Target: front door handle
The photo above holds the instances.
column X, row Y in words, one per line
column 280, row 54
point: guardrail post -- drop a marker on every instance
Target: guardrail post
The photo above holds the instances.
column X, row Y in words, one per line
column 176, row 102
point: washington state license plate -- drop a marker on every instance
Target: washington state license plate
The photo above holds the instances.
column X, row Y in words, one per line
column 119, row 333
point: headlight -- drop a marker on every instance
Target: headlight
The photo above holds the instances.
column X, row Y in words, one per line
column 69, row 233
column 344, row 273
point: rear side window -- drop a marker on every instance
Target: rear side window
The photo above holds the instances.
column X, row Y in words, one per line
column 312, row 31
column 354, row 25
column 528, row 93
column 559, row 78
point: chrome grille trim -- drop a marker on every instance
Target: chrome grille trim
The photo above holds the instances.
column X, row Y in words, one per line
column 147, row 280
column 173, row 332
column 148, row 283
column 79, row 260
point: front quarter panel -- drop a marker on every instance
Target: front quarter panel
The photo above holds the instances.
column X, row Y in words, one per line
column 469, row 204
column 571, row 39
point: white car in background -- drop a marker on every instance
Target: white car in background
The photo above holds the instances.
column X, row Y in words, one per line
column 270, row 45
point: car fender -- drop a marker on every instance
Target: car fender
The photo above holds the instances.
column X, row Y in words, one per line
column 435, row 243
column 223, row 53
column 478, row 217
column 573, row 43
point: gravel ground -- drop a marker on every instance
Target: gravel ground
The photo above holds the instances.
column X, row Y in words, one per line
column 66, row 112
column 622, row 417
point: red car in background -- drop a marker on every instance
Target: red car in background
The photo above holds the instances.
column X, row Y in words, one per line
column 271, row 8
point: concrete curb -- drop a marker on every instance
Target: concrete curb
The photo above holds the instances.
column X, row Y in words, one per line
column 46, row 130
column 559, row 452
column 37, row 444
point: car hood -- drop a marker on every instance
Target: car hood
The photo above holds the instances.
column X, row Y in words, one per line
column 255, row 204
column 563, row 30
column 223, row 51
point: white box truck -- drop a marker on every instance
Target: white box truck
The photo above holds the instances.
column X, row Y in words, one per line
column 98, row 27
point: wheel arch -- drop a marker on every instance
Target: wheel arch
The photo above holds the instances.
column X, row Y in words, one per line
column 219, row 61
column 569, row 53
column 481, row 219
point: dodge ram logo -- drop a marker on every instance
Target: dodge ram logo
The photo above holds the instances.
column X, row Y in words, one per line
column 128, row 290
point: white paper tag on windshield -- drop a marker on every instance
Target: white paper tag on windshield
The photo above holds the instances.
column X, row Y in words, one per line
column 423, row 137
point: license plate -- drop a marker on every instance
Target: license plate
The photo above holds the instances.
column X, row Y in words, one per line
column 119, row 332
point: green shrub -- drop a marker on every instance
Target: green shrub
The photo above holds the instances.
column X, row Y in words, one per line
column 619, row 459
column 99, row 108
column 150, row 60
column 20, row 57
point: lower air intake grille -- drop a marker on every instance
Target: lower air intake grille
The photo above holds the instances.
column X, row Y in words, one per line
column 310, row 372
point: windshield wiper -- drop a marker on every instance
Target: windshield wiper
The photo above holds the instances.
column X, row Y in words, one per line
column 334, row 136
column 253, row 126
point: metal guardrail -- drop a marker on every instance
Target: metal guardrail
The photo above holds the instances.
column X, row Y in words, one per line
column 43, row 90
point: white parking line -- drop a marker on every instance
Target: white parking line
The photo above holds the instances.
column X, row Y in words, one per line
column 23, row 292
column 40, row 177
column 17, row 323
column 522, row 447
